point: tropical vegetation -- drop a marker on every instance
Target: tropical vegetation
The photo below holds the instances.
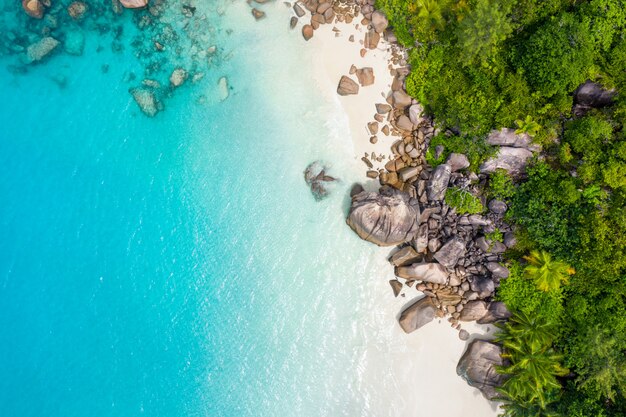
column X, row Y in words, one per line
column 478, row 65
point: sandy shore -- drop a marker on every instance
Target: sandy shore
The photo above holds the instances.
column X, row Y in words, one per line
column 335, row 54
column 424, row 362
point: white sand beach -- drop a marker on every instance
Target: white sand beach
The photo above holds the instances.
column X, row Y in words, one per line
column 423, row 364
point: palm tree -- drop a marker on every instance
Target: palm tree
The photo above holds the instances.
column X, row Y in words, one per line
column 522, row 329
column 547, row 273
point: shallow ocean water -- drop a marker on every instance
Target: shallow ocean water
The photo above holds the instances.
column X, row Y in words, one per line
column 178, row 265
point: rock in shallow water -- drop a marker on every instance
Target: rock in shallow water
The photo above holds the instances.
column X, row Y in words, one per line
column 41, row 49
column 134, row 4
column 33, row 8
column 146, row 100
column 315, row 175
column 386, row 218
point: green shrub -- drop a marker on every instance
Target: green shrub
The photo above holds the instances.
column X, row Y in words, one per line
column 463, row 201
column 476, row 150
column 500, row 185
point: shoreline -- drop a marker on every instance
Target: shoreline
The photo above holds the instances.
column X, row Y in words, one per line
column 439, row 342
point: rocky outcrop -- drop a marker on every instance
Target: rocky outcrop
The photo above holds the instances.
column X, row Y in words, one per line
column 418, row 314
column 134, row 4
column 387, row 218
column 316, row 177
column 478, row 367
column 347, row 86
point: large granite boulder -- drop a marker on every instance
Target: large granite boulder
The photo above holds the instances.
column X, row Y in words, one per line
column 405, row 256
column 478, row 367
column 418, row 314
column 428, row 272
column 379, row 21
column 508, row 137
column 513, row 160
column 496, row 311
column 483, row 286
column 592, row 94
column 347, row 86
column 316, row 177
column 134, row 4
column 473, row 310
column 387, row 218
column 450, row 253
column 438, row 182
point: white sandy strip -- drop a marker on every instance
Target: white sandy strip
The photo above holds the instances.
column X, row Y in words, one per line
column 423, row 364
column 334, row 55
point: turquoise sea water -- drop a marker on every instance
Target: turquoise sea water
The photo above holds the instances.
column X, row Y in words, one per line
column 176, row 265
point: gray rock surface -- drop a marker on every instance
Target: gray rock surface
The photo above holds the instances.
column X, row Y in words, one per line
column 457, row 161
column 416, row 112
column 508, row 137
column 482, row 286
column 417, row 315
column 405, row 256
column 497, row 270
column 478, row 367
column 473, row 311
column 385, row 218
column 496, row 311
column 438, row 183
column 427, row 272
column 497, row 206
column 512, row 160
column 592, row 94
column 450, row 253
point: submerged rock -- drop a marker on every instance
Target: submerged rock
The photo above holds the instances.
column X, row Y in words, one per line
column 134, row 4
column 418, row 314
column 178, row 77
column 77, row 10
column 316, row 177
column 478, row 367
column 146, row 100
column 222, row 86
column 386, row 218
column 41, row 49
column 74, row 42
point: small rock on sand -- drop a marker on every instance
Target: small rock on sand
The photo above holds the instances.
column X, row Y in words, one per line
column 298, row 10
column 293, row 22
column 307, row 32
column 365, row 76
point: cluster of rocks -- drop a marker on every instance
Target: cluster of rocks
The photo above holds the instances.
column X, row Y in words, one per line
column 173, row 47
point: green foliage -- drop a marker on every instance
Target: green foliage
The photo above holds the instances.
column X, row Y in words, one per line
column 476, row 150
column 532, row 383
column 521, row 294
column 528, row 125
column 463, row 201
column 483, row 29
column 556, row 57
column 547, row 273
column 495, row 236
column 500, row 185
